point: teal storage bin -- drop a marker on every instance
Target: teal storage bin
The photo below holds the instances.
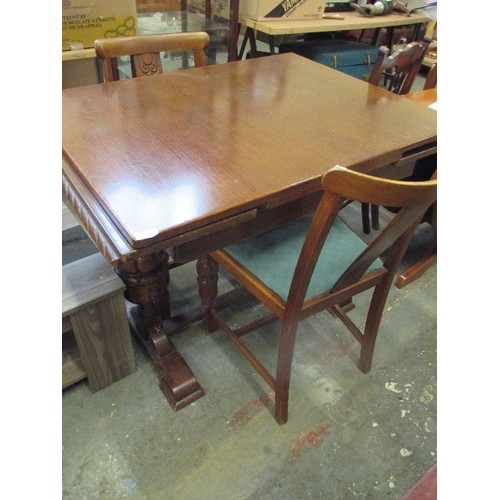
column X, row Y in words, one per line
column 354, row 58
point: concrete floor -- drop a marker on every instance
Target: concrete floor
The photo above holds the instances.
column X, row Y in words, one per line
column 349, row 435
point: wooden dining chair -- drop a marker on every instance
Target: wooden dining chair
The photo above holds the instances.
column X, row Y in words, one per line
column 318, row 263
column 144, row 51
column 410, row 274
column 400, row 70
column 431, row 78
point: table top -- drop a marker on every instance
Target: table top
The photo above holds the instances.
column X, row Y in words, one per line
column 425, row 97
column 152, row 160
column 352, row 21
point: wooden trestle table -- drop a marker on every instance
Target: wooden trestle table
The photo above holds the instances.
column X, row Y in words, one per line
column 170, row 167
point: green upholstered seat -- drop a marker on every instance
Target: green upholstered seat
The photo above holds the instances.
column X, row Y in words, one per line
column 281, row 249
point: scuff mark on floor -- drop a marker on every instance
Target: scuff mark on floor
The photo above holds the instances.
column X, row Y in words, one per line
column 249, row 411
column 308, row 440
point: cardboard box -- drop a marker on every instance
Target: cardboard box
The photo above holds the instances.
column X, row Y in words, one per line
column 219, row 8
column 83, row 21
column 271, row 10
column 158, row 5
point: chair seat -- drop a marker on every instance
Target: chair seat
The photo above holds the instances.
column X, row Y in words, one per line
column 282, row 248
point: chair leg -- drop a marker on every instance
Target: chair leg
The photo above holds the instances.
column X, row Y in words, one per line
column 366, row 356
column 284, row 369
column 281, row 393
column 375, row 217
column 372, row 325
column 368, row 346
column 281, row 405
column 365, row 217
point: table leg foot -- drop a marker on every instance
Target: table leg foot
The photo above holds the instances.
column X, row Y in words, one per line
column 178, row 383
column 147, row 281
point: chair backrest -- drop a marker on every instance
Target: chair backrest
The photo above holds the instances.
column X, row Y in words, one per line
column 413, row 200
column 401, row 68
column 432, row 77
column 144, row 51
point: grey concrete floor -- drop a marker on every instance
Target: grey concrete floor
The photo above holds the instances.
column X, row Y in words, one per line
column 349, row 435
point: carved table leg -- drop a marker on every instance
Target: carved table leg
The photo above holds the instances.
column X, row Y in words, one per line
column 146, row 279
column 207, row 270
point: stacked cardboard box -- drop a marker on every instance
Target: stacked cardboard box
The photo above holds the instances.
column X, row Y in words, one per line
column 83, row 21
column 262, row 10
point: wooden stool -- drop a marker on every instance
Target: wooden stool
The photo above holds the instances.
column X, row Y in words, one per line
column 96, row 337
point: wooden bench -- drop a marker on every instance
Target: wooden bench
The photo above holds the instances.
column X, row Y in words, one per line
column 96, row 336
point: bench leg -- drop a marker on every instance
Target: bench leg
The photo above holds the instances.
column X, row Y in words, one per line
column 146, row 280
